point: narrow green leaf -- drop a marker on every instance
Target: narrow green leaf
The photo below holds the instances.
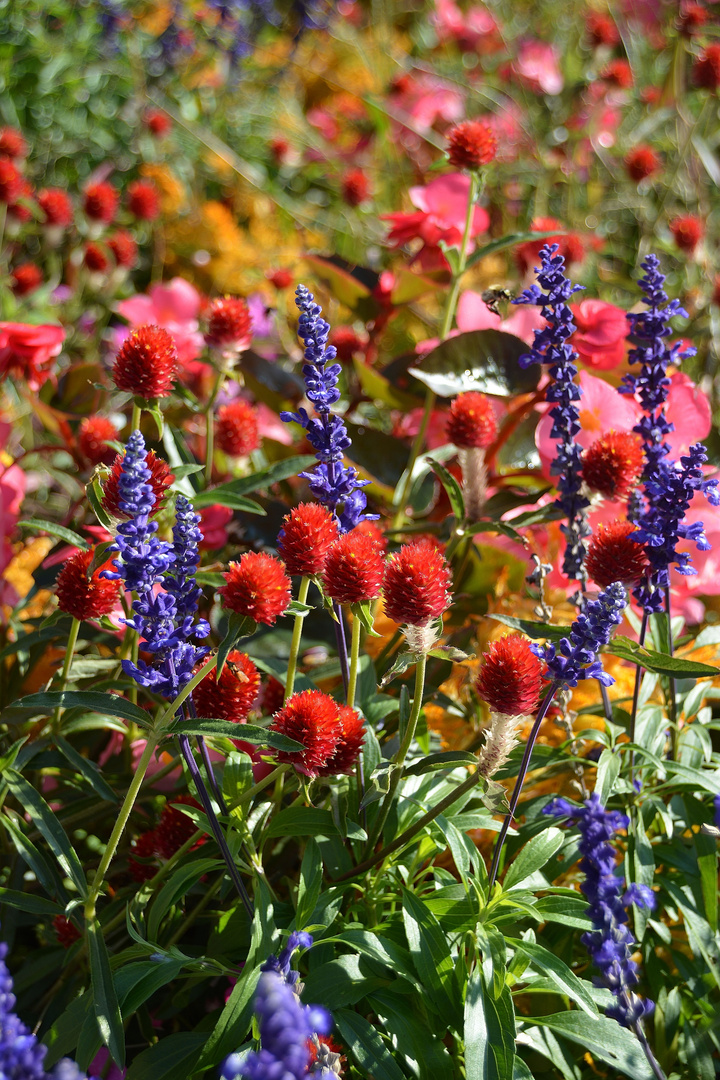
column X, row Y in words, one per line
column 533, row 856
column 432, row 958
column 367, row 1047
column 534, row 630
column 45, row 871
column 346, row 980
column 88, row 769
column 175, row 887
column 563, row 977
column 447, row 759
column 105, row 1002
column 504, row 242
column 489, row 1032
column 310, row 884
column 94, row 495
column 227, row 729
column 169, row 1059
column 60, row 531
column 90, row 700
column 676, row 667
column 36, row 637
column 603, row 1038
column 280, row 470
column 135, row 983
column 302, row 821
column 34, row 905
column 239, row 626
column 452, row 488
column 607, row 773
column 231, row 1027
column 49, row 826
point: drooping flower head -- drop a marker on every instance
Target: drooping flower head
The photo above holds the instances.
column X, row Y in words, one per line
column 146, row 363
column 313, row 719
column 511, row 677
column 611, row 943
column 308, row 533
column 551, row 347
column 257, row 586
column 353, row 569
column 614, row 555
column 575, row 657
column 86, row 597
column 333, row 484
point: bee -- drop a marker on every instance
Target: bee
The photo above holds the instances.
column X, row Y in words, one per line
column 494, row 294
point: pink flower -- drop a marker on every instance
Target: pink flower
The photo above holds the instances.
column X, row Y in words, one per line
column 474, row 314
column 536, row 65
column 13, row 482
column 213, row 520
column 425, row 100
column 159, row 760
column 689, row 410
column 475, row 30
column 26, row 351
column 686, row 590
column 442, row 206
column 600, row 335
column 175, row 306
column 271, row 426
column 408, row 424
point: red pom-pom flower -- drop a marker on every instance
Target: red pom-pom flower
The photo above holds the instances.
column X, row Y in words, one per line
column 101, row 202
column 124, row 248
column 687, row 231
column 93, row 436
column 146, row 363
column 10, row 181
column 349, row 745
column 26, row 278
column 471, row 145
column 355, row 187
column 257, row 586
column 231, row 696
column 417, row 584
column 229, row 325
column 143, row 200
column 236, row 428
column 313, row 719
column 353, row 569
column 12, row 143
column 56, row 206
column 471, row 422
column 612, row 465
column 641, row 162
column 307, row 535
column 83, row 597
column 510, row 679
column 613, row 556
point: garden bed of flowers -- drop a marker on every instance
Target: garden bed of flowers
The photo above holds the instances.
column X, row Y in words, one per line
column 359, row 533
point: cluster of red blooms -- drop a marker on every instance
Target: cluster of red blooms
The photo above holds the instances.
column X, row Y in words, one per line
column 258, row 587
column 146, row 363
column 331, row 734
column 86, row 597
column 641, row 162
column 172, row 831
column 231, row 696
column 355, row 187
column 511, row 677
column 471, row 423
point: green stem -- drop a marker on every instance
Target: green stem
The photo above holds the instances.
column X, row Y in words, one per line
column 136, row 416
column 122, row 819
column 354, row 656
column 445, row 326
column 167, row 717
column 672, row 695
column 296, row 636
column 401, row 755
column 210, row 429
column 69, row 651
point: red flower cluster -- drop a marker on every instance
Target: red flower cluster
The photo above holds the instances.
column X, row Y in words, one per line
column 510, row 679
column 280, row 278
column 601, row 29
column 618, row 73
column 83, row 597
column 12, row 143
column 353, row 569
column 231, row 696
column 258, row 587
column 158, row 123
column 308, row 533
column 146, row 363
column 706, row 69
column 471, row 421
column 642, row 162
column 101, row 202
column 471, row 145
column 93, row 436
column 172, row 831
column 66, row 932
column 416, row 585
column 692, row 17
column 143, row 200
column 355, row 187
column 346, row 342
column 614, row 556
column 26, row 278
column 613, row 464
column 10, row 181
column 95, row 258
column 332, row 734
column 56, row 206
column 124, row 248
column 687, row 229
column 229, row 324
column 160, row 479
column 236, row 428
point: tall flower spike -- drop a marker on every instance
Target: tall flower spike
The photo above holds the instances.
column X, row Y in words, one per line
column 333, row 484
column 611, row 943
column 575, row 657
column 551, row 347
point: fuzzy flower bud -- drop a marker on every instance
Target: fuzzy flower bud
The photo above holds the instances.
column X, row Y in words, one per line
column 146, row 363
column 236, row 428
column 471, row 145
column 353, row 569
column 308, row 533
column 258, row 587
column 613, row 464
column 510, row 679
column 500, row 739
column 613, row 555
column 83, row 597
column 313, row 719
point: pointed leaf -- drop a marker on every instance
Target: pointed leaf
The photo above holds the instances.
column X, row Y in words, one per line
column 562, row 976
column 228, row 729
column 49, row 826
column 60, row 531
column 280, row 470
column 452, row 489
column 105, row 1002
column 484, row 360
column 535, row 630
column 90, row 700
column 676, row 667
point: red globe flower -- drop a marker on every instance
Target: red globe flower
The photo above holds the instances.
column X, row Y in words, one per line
column 160, row 480
column 26, row 278
column 471, row 145
column 12, row 143
column 618, row 73
column 355, row 187
column 100, row 202
column 308, row 533
column 229, row 324
column 280, row 278
column 416, row 585
column 10, row 181
column 124, row 248
column 510, row 679
column 146, row 363
column 158, row 123
column 66, row 932
column 471, row 421
column 83, row 597
column 56, row 206
column 93, row 436
column 613, row 464
column 692, row 17
column 279, row 148
column 372, row 529
column 231, row 696
column 601, row 29
column 313, row 719
column 570, row 245
column 706, row 69
column 642, row 162
column 349, row 745
column 95, row 258
column 353, row 569
column 143, row 848
column 346, row 343
column 687, row 230
column 174, row 828
column 236, row 428
column 143, row 200
column 27, row 352
column 614, row 556
column 258, row 587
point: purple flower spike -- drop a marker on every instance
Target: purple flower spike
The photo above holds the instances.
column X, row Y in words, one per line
column 575, row 657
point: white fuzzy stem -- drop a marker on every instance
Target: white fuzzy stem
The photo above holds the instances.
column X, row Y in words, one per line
column 420, row 639
column 500, row 738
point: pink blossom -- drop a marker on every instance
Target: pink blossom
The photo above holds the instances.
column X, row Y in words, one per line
column 426, row 99
column 27, row 351
column 442, row 206
column 175, row 306
column 271, row 426
column 474, row 314
column 686, row 590
column 536, row 65
column 689, row 410
column 408, row 424
column 601, row 332
column 213, row 521
column 13, row 483
column 115, row 745
column 475, row 30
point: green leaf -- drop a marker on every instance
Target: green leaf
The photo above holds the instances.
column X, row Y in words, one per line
column 187, row 875
column 45, row 871
column 535, row 630
column 504, row 242
column 238, row 627
column 607, row 773
column 603, row 1038
column 378, row 388
column 218, row 497
column 88, row 769
column 34, row 905
column 172, row 1057
column 302, row 821
column 280, row 470
column 662, row 663
column 366, row 1046
column 28, row 641
column 562, row 976
column 425, row 1054
column 489, row 1032
column 94, row 495
column 181, row 471
column 485, row 360
column 135, row 983
column 432, row 958
column 60, row 531
column 447, row 759
column 377, row 784
column 228, row 729
column 310, row 884
column 452, row 488
column 346, row 980
column 90, row 700
column 383, row 950
column 402, row 662
column 538, row 850
column 105, row 1002
column 48, row 825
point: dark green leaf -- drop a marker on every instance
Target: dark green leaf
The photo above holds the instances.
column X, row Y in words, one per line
column 187, row 875
column 562, row 976
column 452, row 489
column 45, row 871
column 94, row 494
column 448, row 759
column 504, row 242
column 431, row 955
column 367, row 1047
column 662, row 663
column 181, row 471
column 238, row 627
column 34, row 905
column 37, row 637
column 227, row 729
column 171, row 1058
column 535, row 853
column 47, row 823
column 107, row 1009
column 402, row 662
column 60, row 531
column 88, row 769
column 603, row 1038
column 90, row 700
column 535, row 630
column 280, row 470
column 489, row 1032
column 343, row 981
column 135, row 983
column 302, row 821
column 310, row 884
column 422, row 1049
column 485, row 360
